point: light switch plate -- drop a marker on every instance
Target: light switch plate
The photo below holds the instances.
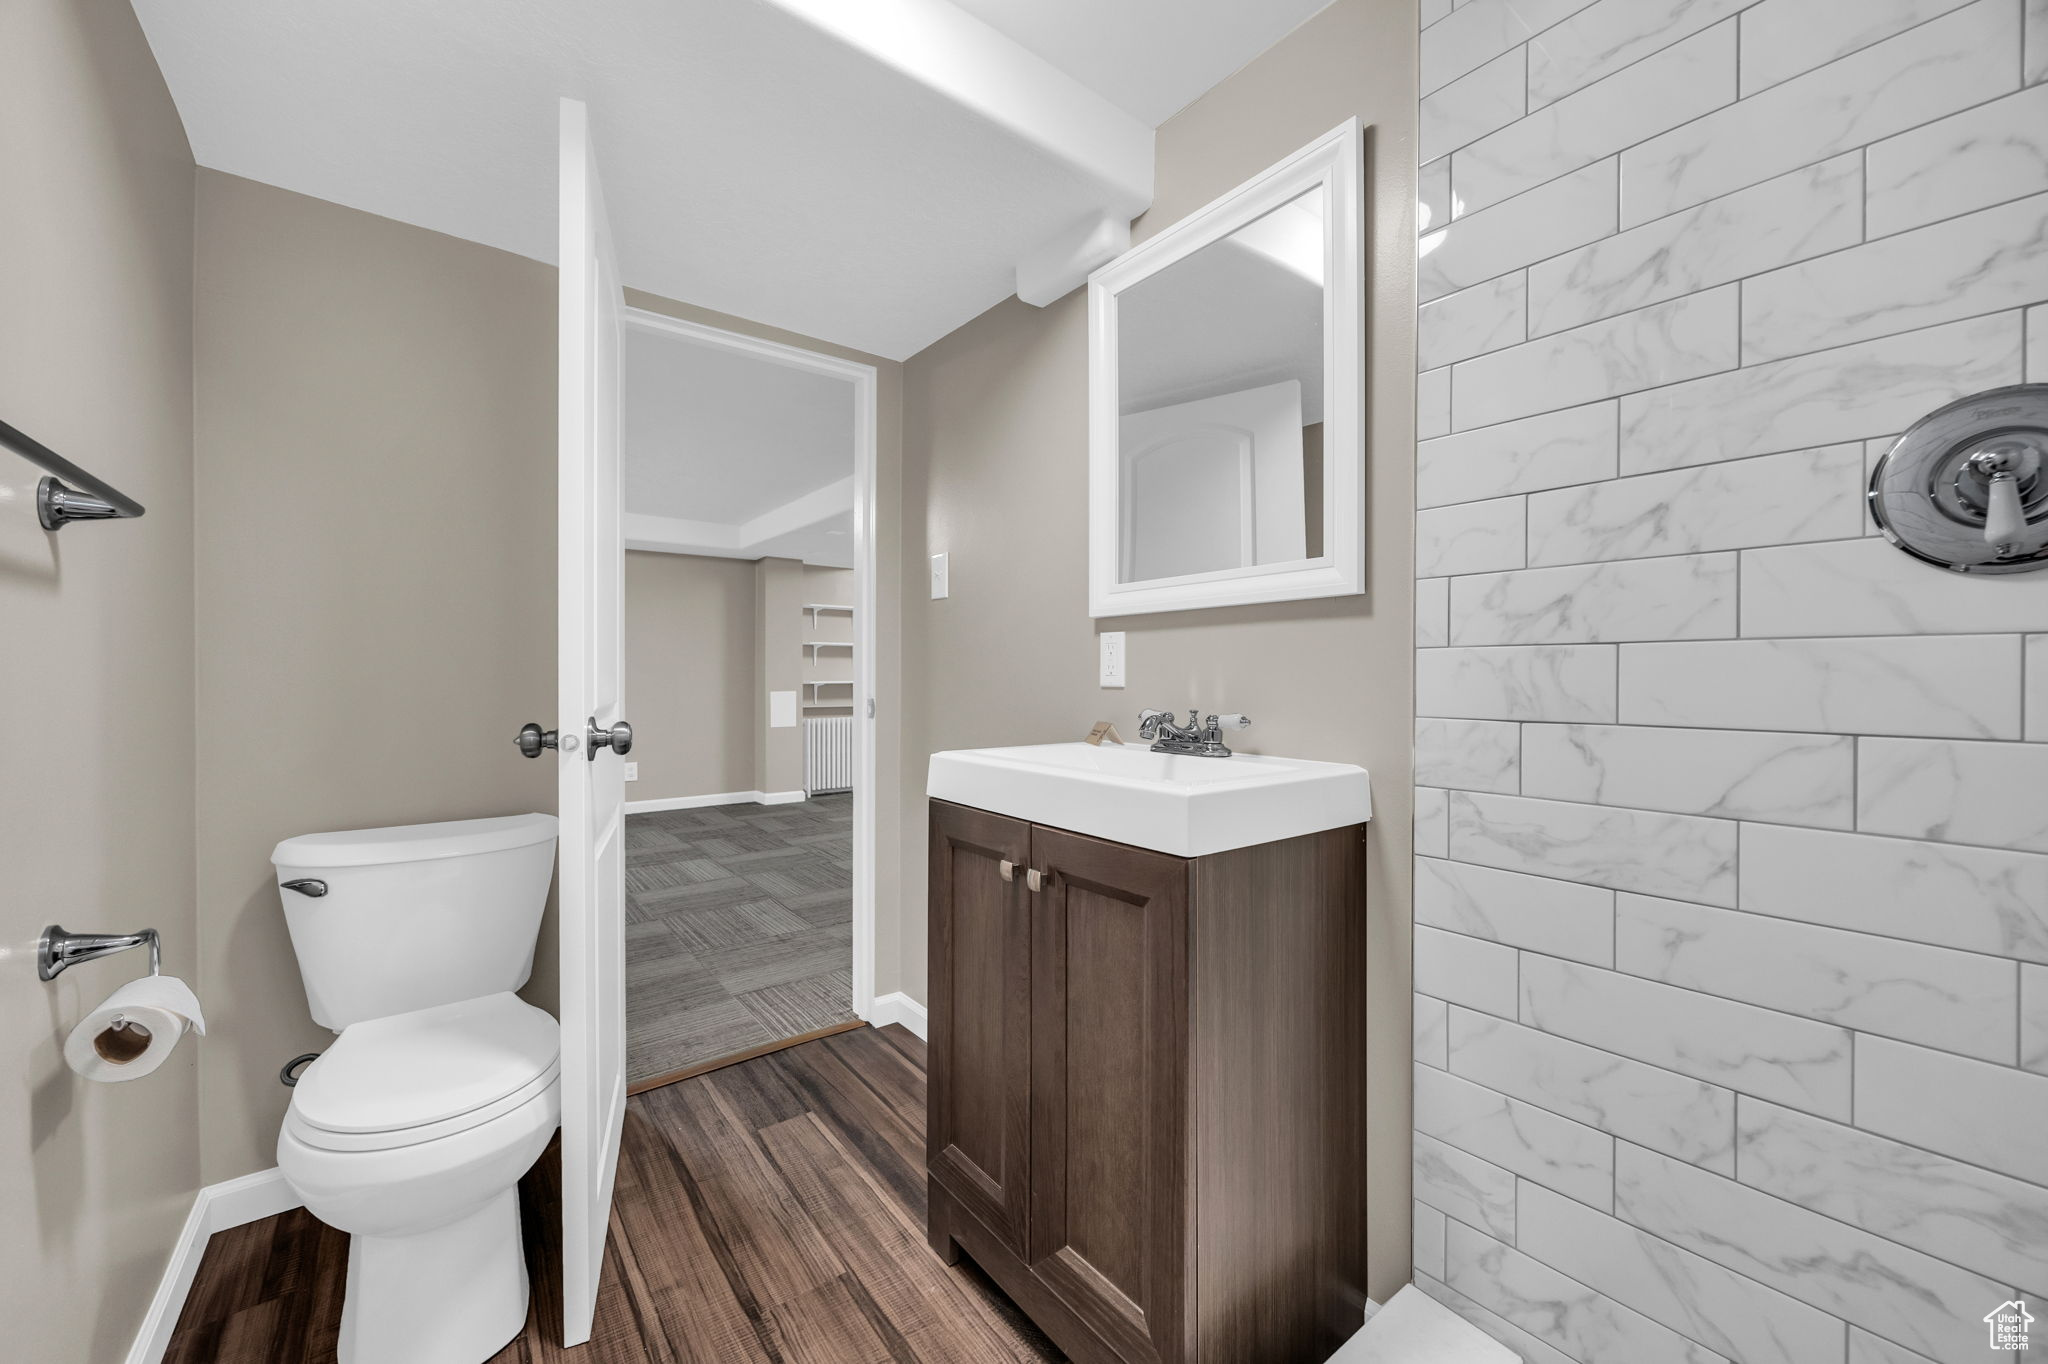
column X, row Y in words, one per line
column 941, row 577
column 632, row 771
column 1112, row 647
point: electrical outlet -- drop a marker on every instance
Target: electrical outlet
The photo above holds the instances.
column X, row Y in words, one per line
column 632, row 771
column 941, row 578
column 1112, row 657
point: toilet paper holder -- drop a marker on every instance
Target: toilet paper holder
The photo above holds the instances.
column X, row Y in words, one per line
column 59, row 949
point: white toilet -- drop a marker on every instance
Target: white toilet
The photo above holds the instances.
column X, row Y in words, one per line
column 411, row 1132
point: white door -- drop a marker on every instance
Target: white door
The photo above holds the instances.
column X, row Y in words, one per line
column 592, row 882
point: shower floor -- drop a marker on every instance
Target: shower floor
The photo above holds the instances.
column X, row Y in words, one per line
column 739, row 931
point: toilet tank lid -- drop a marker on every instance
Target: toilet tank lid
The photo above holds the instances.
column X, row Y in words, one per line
column 413, row 842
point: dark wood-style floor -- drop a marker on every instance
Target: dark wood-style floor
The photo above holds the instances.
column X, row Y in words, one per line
column 768, row 1213
column 739, row 930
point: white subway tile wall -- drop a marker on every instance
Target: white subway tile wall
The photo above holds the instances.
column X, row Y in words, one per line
column 1732, row 886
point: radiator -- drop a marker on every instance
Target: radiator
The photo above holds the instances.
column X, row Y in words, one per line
column 828, row 754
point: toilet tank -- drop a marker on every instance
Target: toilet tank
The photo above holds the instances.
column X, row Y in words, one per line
column 416, row 915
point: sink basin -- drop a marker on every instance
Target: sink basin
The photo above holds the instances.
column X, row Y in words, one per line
column 1168, row 802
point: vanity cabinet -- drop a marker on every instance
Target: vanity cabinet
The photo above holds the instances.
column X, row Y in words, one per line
column 1146, row 1087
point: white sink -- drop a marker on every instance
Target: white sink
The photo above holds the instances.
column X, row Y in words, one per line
column 1168, row 802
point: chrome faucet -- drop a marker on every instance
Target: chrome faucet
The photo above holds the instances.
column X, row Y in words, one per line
column 1198, row 738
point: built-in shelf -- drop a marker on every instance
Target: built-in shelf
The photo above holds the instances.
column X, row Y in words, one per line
column 815, row 609
column 817, row 646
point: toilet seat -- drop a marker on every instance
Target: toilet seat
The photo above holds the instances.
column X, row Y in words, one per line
column 416, row 1077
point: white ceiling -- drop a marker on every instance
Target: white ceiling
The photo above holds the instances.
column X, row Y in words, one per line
column 1150, row 58
column 868, row 174
column 733, row 455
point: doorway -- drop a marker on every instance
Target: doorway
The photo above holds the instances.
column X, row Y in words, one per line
column 748, row 520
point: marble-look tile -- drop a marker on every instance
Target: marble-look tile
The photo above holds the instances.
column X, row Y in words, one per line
column 1475, row 104
column 1432, row 613
column 1990, row 900
column 1786, row 38
column 1784, row 778
column 1480, row 30
column 1542, row 682
column 1862, row 1278
column 2034, row 60
column 1603, row 38
column 1433, row 10
column 1554, row 450
column 1987, row 260
column 1988, row 1222
column 1621, row 849
column 1865, row 1348
column 1478, row 975
column 1794, row 1061
column 1471, row 322
column 1433, row 403
column 1558, row 1153
column 1645, row 1104
column 1472, row 755
column 1867, row 587
column 1471, row 537
column 1807, row 212
column 1432, row 1032
column 1958, row 1001
column 1954, row 62
column 2034, row 1017
column 2037, row 345
column 1557, row 216
column 1681, row 597
column 1561, row 918
column 1464, row 1186
column 1665, row 343
column 1971, row 160
column 1771, row 500
column 1847, row 394
column 1662, row 91
column 1584, row 1324
column 1941, row 687
column 1989, row 1115
column 1433, row 197
column 1531, row 1350
column 2036, row 655
column 1991, row 795
column 1432, row 823
column 1701, row 1300
column 1426, row 1240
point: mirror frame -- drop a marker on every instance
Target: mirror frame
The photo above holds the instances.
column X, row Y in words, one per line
column 1335, row 162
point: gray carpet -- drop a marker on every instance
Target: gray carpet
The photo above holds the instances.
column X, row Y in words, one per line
column 739, row 929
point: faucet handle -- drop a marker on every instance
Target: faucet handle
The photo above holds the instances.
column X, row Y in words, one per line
column 1235, row 721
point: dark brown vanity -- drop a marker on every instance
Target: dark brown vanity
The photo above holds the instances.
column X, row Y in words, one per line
column 1146, row 1109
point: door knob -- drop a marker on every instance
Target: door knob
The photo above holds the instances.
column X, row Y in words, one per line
column 532, row 739
column 619, row 738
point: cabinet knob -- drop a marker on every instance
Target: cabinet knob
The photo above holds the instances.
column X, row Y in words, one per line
column 1034, row 880
column 1007, row 869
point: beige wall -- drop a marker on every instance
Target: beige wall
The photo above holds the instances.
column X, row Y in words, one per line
column 778, row 666
column 376, row 578
column 690, row 626
column 96, row 667
column 995, row 466
column 376, row 454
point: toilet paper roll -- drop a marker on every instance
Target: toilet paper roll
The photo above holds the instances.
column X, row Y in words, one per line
column 133, row 1030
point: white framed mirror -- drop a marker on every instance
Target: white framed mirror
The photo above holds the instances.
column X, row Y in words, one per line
column 1226, row 396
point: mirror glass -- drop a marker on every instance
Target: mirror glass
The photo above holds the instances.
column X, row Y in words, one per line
column 1220, row 368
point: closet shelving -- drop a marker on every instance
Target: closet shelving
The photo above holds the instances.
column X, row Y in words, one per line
column 826, row 693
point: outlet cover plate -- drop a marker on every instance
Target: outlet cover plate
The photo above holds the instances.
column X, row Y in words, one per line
column 1112, row 669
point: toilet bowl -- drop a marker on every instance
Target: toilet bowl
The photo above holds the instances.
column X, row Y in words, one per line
column 412, row 1130
column 411, row 1133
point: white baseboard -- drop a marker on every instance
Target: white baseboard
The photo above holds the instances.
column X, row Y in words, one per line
column 648, row 807
column 898, row 1008
column 215, row 1208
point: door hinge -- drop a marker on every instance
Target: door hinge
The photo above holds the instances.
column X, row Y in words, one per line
column 871, row 708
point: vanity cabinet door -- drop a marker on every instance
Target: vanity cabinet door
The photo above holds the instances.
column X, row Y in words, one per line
column 978, row 1124
column 1108, row 1083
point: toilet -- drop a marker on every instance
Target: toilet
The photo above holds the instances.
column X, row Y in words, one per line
column 412, row 1130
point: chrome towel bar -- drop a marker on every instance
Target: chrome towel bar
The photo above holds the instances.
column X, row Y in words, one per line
column 57, row 502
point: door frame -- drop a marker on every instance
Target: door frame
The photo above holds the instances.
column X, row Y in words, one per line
column 866, row 597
